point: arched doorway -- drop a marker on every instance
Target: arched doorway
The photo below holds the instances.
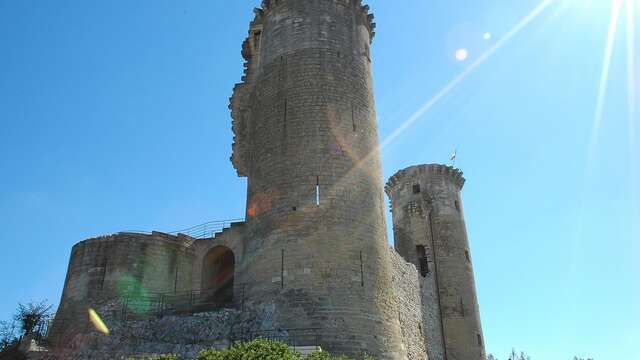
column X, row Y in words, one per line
column 217, row 278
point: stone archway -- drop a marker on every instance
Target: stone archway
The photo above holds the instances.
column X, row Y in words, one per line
column 217, row 278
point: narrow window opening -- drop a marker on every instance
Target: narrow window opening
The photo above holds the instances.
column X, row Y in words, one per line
column 282, row 68
column 423, row 260
column 294, row 208
column 317, row 190
column 361, row 270
column 420, row 329
column 466, row 254
column 282, row 272
column 416, row 188
column 175, row 281
column 256, row 40
column 353, row 118
column 104, row 273
column 479, row 340
column 457, row 203
column 462, row 307
column 422, row 251
column 285, row 115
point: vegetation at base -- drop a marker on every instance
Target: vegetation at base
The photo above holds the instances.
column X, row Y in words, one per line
column 327, row 356
column 259, row 349
column 514, row 355
column 254, row 350
column 30, row 319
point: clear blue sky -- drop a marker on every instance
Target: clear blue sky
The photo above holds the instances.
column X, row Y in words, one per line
column 113, row 116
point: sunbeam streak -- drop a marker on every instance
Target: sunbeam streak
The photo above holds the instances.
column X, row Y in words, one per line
column 457, row 80
column 631, row 72
column 632, row 103
column 604, row 77
column 364, row 162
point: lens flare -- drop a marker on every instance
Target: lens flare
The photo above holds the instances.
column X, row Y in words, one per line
column 136, row 298
column 462, row 54
column 457, row 80
column 97, row 322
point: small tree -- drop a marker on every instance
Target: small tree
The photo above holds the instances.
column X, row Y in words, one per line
column 515, row 356
column 33, row 317
column 8, row 336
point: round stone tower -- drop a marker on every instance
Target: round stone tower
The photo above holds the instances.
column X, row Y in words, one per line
column 430, row 232
column 306, row 138
column 119, row 268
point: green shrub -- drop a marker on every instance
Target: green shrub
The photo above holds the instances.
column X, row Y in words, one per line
column 259, row 349
column 326, row 356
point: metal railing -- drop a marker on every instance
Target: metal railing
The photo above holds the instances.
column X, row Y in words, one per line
column 208, row 229
column 203, row 231
column 136, row 306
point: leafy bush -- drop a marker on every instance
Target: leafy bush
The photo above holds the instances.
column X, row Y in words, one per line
column 259, row 349
column 325, row 356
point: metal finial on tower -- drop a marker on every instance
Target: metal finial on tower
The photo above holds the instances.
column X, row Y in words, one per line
column 454, row 157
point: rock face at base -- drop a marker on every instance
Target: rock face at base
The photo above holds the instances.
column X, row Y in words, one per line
column 310, row 263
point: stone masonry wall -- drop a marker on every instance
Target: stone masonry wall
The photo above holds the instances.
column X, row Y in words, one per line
column 406, row 288
column 110, row 267
column 184, row 335
column 434, row 190
column 411, row 230
column 315, row 233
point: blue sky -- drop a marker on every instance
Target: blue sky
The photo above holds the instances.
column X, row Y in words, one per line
column 113, row 116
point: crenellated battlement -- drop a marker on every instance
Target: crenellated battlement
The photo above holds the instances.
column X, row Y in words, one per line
column 363, row 10
column 436, row 170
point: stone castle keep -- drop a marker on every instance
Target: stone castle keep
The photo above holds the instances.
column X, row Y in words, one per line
column 310, row 264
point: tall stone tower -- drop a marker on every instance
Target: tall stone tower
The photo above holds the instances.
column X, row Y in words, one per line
column 430, row 232
column 306, row 138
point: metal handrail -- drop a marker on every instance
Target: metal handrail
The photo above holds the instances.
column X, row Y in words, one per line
column 208, row 229
column 201, row 231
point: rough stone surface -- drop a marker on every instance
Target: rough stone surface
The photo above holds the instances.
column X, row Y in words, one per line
column 407, row 291
column 181, row 335
column 109, row 267
column 430, row 232
column 312, row 255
